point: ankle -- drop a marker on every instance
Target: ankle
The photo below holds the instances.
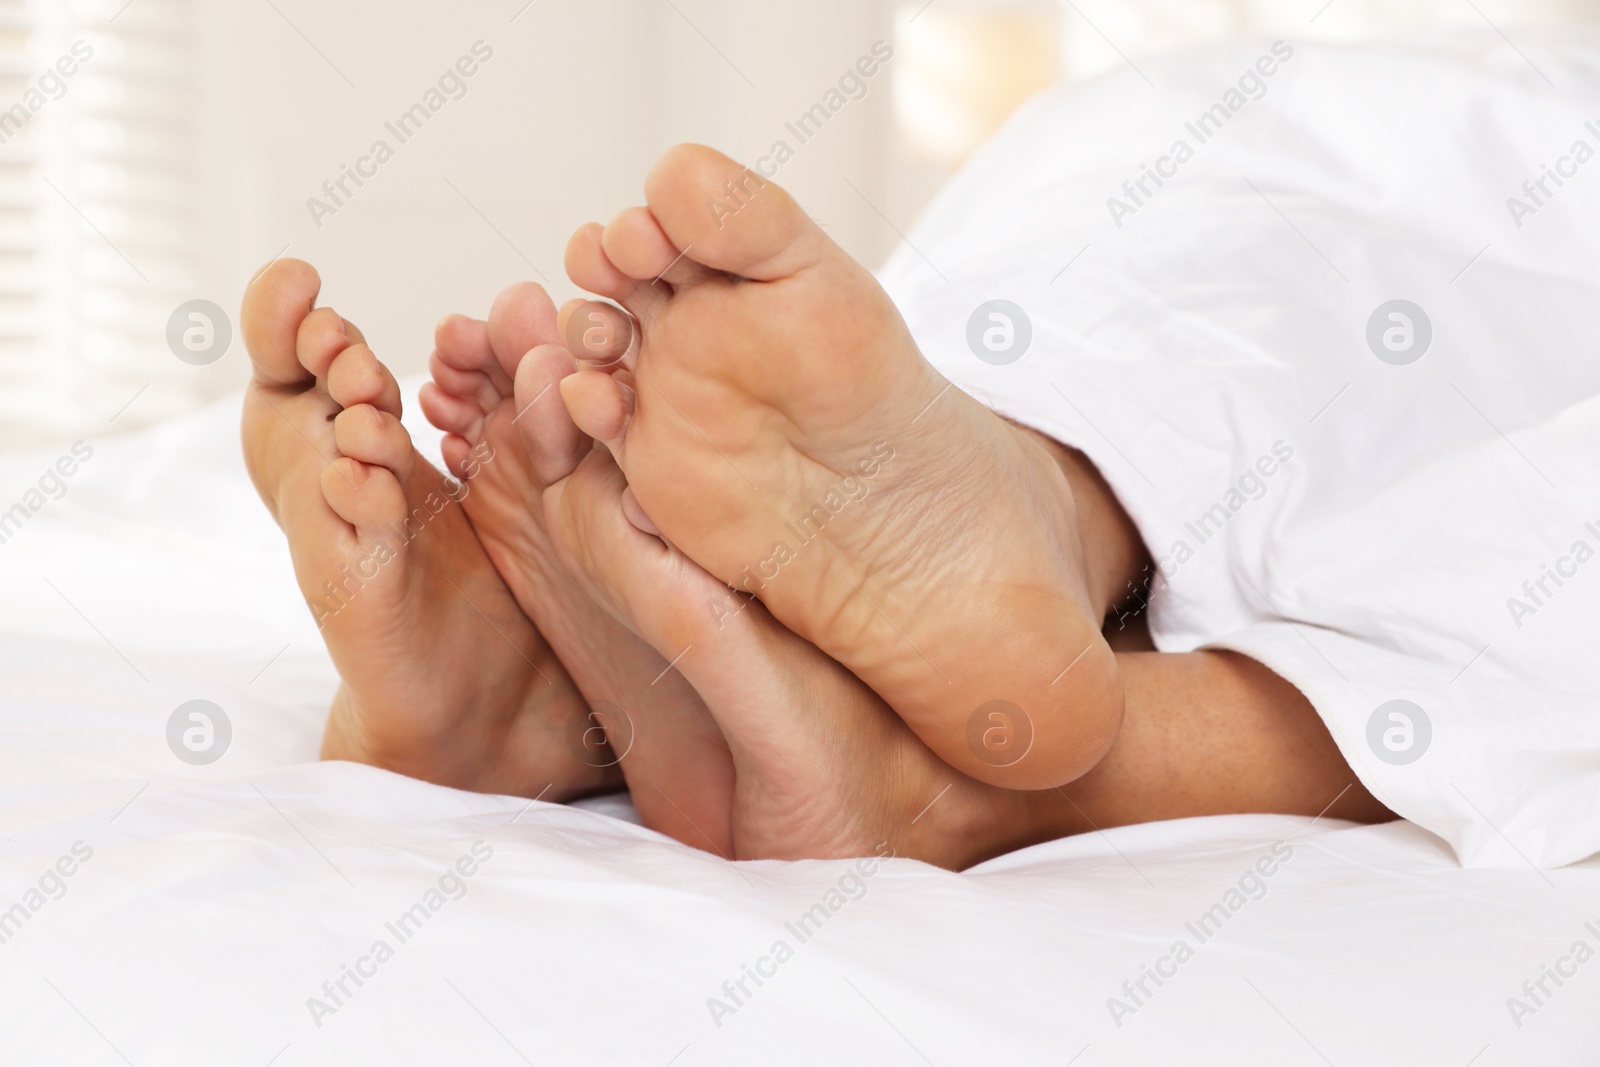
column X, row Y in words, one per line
column 1113, row 556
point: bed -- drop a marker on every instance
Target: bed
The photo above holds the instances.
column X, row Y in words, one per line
column 212, row 910
column 264, row 908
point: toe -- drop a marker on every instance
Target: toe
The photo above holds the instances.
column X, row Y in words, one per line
column 356, row 377
column 636, row 244
column 600, row 336
column 322, row 336
column 523, row 317
column 462, row 344
column 590, row 268
column 372, row 436
column 459, row 455
column 278, row 299
column 450, row 412
column 554, row 442
column 367, row 497
column 730, row 218
column 600, row 406
column 472, row 386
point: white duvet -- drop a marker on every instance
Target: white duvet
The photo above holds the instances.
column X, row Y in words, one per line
column 1405, row 526
column 267, row 909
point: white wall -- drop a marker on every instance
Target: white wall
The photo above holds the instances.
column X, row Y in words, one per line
column 557, row 129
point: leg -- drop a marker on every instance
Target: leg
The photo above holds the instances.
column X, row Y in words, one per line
column 1212, row 733
column 443, row 676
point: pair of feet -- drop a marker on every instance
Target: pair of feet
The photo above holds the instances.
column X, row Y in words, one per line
column 791, row 514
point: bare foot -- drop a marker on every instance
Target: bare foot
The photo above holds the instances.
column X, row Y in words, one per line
column 787, row 435
column 823, row 767
column 494, row 392
column 444, row 678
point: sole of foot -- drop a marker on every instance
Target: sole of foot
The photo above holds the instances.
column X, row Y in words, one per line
column 823, row 768
column 783, row 430
column 443, row 676
column 494, row 392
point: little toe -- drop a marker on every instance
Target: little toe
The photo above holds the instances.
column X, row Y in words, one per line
column 278, row 299
column 372, row 436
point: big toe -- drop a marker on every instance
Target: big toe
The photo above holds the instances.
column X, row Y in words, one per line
column 555, row 444
column 276, row 302
column 729, row 217
column 522, row 318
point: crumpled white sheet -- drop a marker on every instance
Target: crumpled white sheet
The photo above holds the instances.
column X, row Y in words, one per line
column 217, row 900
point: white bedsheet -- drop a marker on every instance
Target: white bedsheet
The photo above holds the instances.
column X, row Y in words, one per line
column 207, row 906
column 1373, row 532
column 217, row 900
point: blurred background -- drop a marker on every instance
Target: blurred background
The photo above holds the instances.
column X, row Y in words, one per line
column 192, row 139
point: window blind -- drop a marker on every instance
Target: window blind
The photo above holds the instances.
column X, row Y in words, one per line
column 97, row 228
